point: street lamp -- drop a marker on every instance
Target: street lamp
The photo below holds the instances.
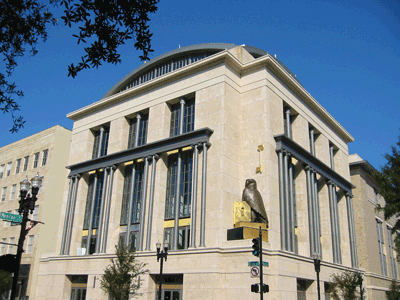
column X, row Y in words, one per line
column 317, row 266
column 163, row 255
column 28, row 192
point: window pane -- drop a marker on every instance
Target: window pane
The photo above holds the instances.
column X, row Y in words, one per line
column 45, row 154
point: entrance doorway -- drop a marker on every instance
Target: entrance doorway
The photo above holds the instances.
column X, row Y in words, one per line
column 170, row 294
column 171, row 288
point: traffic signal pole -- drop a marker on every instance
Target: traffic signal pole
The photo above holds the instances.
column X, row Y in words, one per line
column 261, row 267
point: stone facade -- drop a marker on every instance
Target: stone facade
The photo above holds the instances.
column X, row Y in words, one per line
column 47, row 153
column 377, row 260
column 240, row 96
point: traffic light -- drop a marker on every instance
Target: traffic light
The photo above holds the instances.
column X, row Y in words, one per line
column 265, row 288
column 256, row 247
column 255, row 288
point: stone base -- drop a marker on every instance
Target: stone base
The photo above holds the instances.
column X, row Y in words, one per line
column 246, row 231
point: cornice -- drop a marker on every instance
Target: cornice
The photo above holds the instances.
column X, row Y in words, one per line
column 304, row 156
column 266, row 61
column 154, row 148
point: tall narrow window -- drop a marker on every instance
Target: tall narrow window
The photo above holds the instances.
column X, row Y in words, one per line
column 97, row 190
column 332, row 152
column 9, row 169
column 287, row 121
column 100, row 145
column 312, row 137
column 7, row 224
column 36, row 159
column 183, row 237
column 188, row 117
column 137, row 194
column 45, row 155
column 2, row 170
column 30, row 243
column 92, row 211
column 41, row 184
column 288, row 210
column 3, row 194
column 35, row 213
column 335, row 227
column 18, row 166
column 381, row 243
column 393, row 262
column 11, row 246
column 141, row 119
column 3, row 246
column 185, row 185
column 13, row 189
column 26, row 162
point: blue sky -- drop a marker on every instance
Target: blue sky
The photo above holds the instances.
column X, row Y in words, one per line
column 345, row 53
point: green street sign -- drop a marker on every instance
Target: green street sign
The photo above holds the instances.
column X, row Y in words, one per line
column 257, row 263
column 10, row 217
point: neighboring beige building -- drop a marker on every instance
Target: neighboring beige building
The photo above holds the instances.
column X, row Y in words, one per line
column 217, row 114
column 45, row 153
column 376, row 254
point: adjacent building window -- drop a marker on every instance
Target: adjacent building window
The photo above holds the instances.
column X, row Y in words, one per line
column 3, row 246
column 177, row 125
column 26, row 162
column 138, row 130
column 3, row 194
column 100, row 145
column 2, row 170
column 381, row 243
column 11, row 247
column 13, row 189
column 45, row 156
column 6, row 223
column 185, row 188
column 18, row 166
column 9, row 169
column 393, row 262
column 35, row 213
column 41, row 184
column 36, row 160
column 30, row 243
column 16, row 212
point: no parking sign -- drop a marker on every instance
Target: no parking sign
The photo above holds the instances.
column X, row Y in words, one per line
column 255, row 271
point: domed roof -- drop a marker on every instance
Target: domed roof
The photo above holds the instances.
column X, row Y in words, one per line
column 173, row 60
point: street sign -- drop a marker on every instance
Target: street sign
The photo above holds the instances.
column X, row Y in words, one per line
column 10, row 217
column 257, row 263
column 255, row 271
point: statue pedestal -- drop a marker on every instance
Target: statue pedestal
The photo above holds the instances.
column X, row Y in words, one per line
column 246, row 231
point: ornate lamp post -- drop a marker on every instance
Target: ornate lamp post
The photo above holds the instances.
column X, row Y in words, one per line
column 163, row 256
column 317, row 266
column 28, row 192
